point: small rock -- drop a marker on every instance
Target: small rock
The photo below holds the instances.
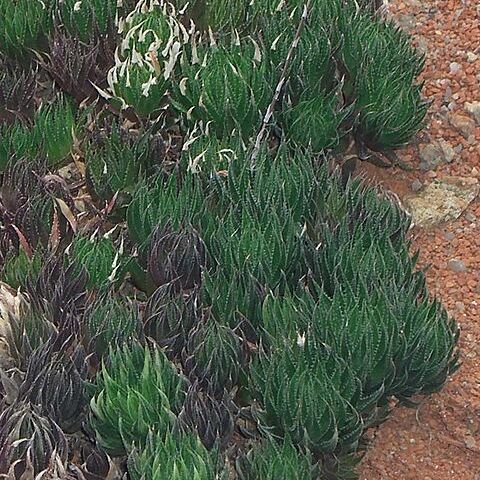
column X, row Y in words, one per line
column 455, row 67
column 470, row 442
column 470, row 217
column 465, row 125
column 447, row 150
column 473, row 108
column 406, row 21
column 449, row 236
column 436, row 153
column 460, row 306
column 457, row 266
column 416, row 185
column 471, row 57
column 442, row 200
column 458, row 148
column 422, row 44
column 447, row 96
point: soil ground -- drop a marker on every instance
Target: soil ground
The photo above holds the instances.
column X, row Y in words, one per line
column 440, row 439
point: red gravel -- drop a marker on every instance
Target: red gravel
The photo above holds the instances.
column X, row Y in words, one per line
column 440, row 440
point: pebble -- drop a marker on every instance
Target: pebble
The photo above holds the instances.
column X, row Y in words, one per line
column 470, row 217
column 455, row 67
column 416, row 185
column 449, row 236
column 436, row 153
column 471, row 57
column 473, row 108
column 465, row 125
column 457, row 266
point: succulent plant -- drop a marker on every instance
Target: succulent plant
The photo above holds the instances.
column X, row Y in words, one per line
column 212, row 418
column 73, row 66
column 382, row 68
column 16, row 142
column 55, row 382
column 315, row 121
column 312, row 68
column 268, row 250
column 431, row 353
column 29, row 441
column 362, row 330
column 176, row 257
column 111, row 322
column 17, row 268
column 214, row 355
column 116, row 160
column 137, row 391
column 274, row 460
column 229, row 89
column 17, row 88
column 174, row 200
column 59, row 291
column 172, row 456
column 233, row 299
column 308, row 392
column 169, row 316
column 88, row 18
column 137, row 83
column 99, row 258
column 150, row 27
column 55, row 128
column 28, row 331
column 24, row 26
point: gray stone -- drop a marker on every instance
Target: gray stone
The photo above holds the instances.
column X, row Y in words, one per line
column 416, row 185
column 471, row 57
column 473, row 108
column 457, row 266
column 448, row 236
column 465, row 125
column 470, row 217
column 406, row 21
column 447, row 150
column 436, row 153
column 442, row 200
column 455, row 67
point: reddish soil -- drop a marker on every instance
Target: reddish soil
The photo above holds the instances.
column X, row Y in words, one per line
column 440, row 440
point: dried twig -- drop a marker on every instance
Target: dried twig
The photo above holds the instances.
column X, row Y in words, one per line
column 280, row 84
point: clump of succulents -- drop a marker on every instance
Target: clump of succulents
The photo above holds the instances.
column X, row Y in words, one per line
column 29, row 441
column 228, row 89
column 111, row 322
column 55, row 381
column 55, row 129
column 325, row 413
column 382, row 68
column 271, row 460
column 17, row 88
column 172, row 456
column 137, row 390
column 211, row 417
column 28, row 331
column 88, row 18
column 24, row 26
column 214, row 355
column 170, row 314
column 227, row 280
column 117, row 160
column 99, row 258
column 73, row 66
